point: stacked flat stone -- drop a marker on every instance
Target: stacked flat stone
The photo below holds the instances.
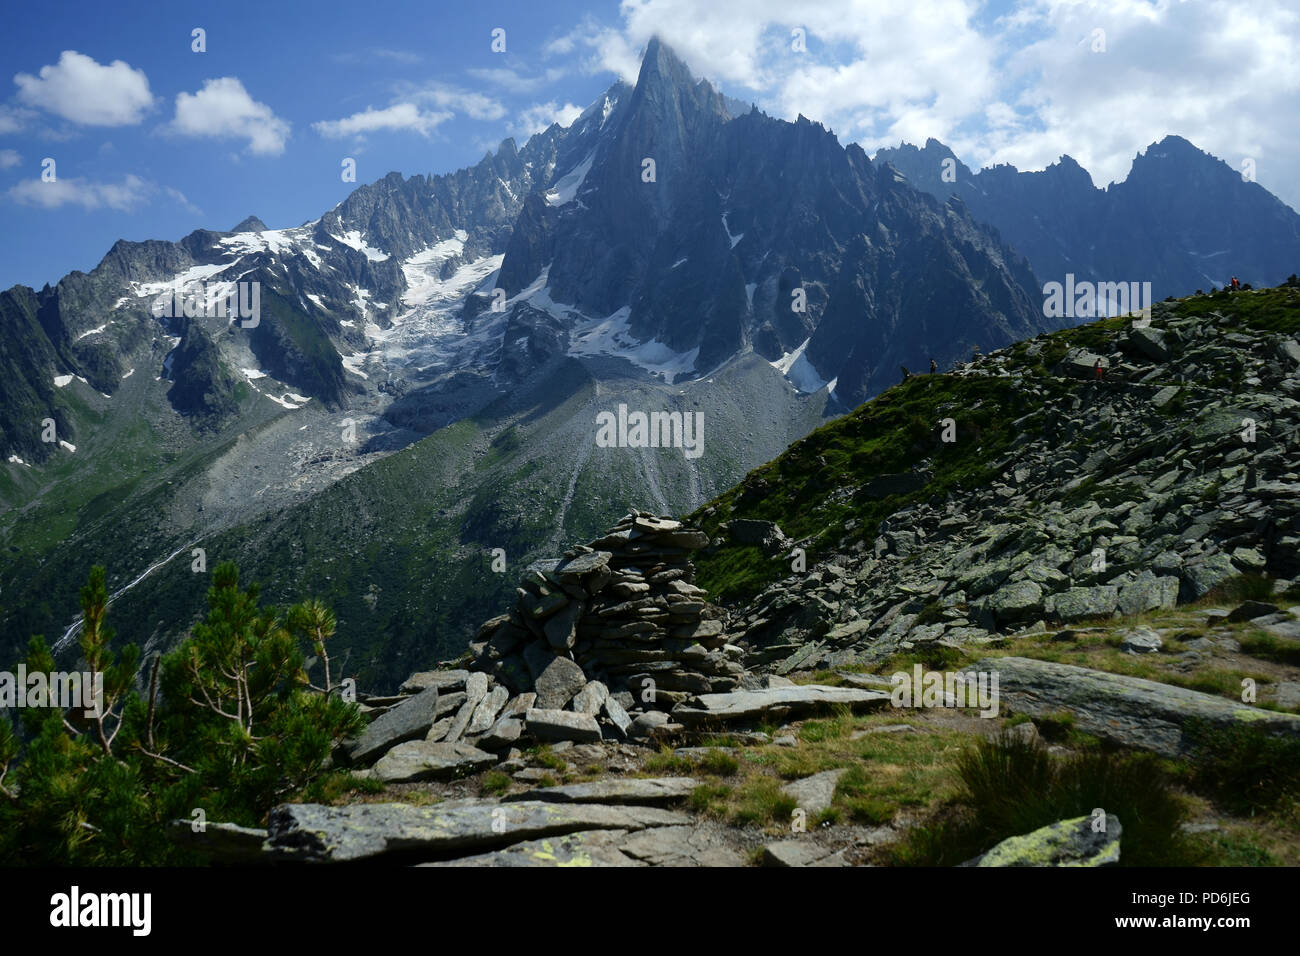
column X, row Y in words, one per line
column 622, row 615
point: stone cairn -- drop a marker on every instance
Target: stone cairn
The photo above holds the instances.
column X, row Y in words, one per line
column 601, row 644
column 621, row 615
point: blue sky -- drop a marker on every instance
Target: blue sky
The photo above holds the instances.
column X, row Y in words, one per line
column 305, row 63
column 152, row 140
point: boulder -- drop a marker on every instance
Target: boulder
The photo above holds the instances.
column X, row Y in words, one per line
column 556, row 679
column 1249, row 610
column 1157, row 594
column 423, row 760
column 1131, row 711
column 547, row 724
column 404, row 722
column 1076, row 604
column 1018, row 601
column 1074, row 842
column 814, row 794
column 1142, row 640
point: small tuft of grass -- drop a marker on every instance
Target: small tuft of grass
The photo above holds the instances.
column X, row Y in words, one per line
column 1266, row 647
column 494, row 784
column 667, row 762
column 719, row 763
column 710, row 799
column 762, row 802
column 1012, row 787
column 1246, row 770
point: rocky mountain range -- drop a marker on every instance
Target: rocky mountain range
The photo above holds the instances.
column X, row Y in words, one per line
column 404, row 413
column 1182, row 219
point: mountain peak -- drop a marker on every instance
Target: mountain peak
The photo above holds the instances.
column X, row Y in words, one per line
column 661, row 66
column 251, row 224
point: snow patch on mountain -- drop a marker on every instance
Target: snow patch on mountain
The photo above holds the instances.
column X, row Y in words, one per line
column 734, row 239
column 800, row 372
column 610, row 336
column 422, row 270
column 566, row 187
column 353, row 240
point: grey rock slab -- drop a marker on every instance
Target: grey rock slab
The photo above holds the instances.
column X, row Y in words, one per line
column 796, row 853
column 314, row 833
column 404, row 722
column 547, row 724
column 485, row 714
column 591, row 698
column 1286, row 629
column 1079, row 603
column 680, row 846
column 646, row 791
column 504, row 732
column 1064, row 843
column 424, row 760
column 459, row 722
column 1142, row 640
column 1131, row 710
column 443, row 680
column 814, row 793
column 1139, row 596
column 582, row 849
column 746, row 704
column 556, row 679
column 646, row 724
column 617, row 715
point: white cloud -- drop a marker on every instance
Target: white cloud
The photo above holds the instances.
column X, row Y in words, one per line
column 514, row 81
column 417, row 108
column 400, row 116
column 124, row 196
column 9, row 158
column 223, row 109
column 83, row 91
column 13, row 119
column 540, row 116
column 1023, row 88
column 477, row 106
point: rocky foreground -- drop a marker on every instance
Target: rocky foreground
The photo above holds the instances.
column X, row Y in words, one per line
column 615, row 716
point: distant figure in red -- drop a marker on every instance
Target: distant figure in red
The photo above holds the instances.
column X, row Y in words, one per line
column 1236, row 285
column 1097, row 368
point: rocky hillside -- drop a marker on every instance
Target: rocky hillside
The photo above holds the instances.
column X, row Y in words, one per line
column 1019, row 487
column 1020, row 593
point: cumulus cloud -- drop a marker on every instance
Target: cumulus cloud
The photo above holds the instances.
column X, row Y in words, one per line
column 223, row 109
column 82, row 91
column 540, row 117
column 9, row 158
column 1023, row 88
column 400, row 116
column 416, row 108
column 131, row 192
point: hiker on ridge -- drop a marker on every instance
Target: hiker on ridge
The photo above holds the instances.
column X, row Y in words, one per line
column 1098, row 369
